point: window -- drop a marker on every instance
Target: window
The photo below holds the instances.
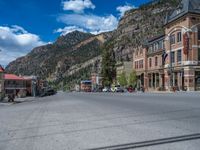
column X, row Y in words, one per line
column 179, row 37
column 199, row 54
column 150, row 62
column 156, row 61
column 150, row 49
column 199, row 33
column 136, row 65
column 141, row 64
column 172, row 39
column 179, row 55
column 172, row 57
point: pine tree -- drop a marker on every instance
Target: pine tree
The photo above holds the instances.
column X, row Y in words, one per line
column 108, row 64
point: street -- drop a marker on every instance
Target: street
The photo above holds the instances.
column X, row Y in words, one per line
column 68, row 121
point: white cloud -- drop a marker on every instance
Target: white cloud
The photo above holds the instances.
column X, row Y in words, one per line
column 78, row 6
column 15, row 41
column 90, row 23
column 123, row 9
column 68, row 29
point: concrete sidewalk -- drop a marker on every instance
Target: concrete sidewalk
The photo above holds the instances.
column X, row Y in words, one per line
column 17, row 100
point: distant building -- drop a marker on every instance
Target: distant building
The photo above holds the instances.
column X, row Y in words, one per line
column 86, row 86
column 125, row 66
column 96, row 80
column 1, row 82
column 15, row 84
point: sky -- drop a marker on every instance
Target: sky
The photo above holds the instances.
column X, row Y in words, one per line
column 25, row 24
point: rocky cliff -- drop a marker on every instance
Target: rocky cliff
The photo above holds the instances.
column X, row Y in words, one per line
column 139, row 24
column 49, row 61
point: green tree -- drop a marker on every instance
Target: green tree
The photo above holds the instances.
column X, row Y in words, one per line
column 122, row 79
column 108, row 64
column 132, row 78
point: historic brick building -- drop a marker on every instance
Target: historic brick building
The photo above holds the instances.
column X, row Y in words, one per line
column 172, row 60
column 182, row 44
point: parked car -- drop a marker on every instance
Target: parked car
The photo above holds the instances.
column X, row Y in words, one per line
column 118, row 88
column 48, row 92
column 130, row 89
column 106, row 89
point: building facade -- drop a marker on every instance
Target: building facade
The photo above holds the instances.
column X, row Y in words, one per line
column 1, row 82
column 172, row 61
column 182, row 43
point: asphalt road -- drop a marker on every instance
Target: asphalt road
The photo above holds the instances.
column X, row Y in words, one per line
column 98, row 120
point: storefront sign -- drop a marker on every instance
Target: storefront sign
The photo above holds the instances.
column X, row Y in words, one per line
column 185, row 43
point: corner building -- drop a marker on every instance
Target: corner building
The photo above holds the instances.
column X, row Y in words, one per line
column 172, row 60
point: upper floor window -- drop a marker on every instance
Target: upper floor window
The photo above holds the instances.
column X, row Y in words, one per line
column 136, row 65
column 199, row 54
column 156, row 61
column 172, row 57
column 150, row 49
column 199, row 33
column 172, row 39
column 179, row 37
column 150, row 61
column 179, row 55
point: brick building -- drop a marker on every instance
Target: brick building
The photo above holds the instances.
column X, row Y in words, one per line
column 172, row 60
column 1, row 82
column 182, row 43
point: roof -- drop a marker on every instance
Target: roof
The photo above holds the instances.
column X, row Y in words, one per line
column 1, row 69
column 12, row 77
column 185, row 6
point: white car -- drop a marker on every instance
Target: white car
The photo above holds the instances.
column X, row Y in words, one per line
column 106, row 89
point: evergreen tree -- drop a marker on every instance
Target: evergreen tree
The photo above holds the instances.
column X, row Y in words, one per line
column 108, row 64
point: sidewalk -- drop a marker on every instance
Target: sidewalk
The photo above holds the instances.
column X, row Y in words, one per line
column 17, row 100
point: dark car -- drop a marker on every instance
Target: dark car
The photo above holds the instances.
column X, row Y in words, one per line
column 48, row 92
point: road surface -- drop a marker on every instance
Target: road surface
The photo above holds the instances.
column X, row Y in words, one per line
column 65, row 121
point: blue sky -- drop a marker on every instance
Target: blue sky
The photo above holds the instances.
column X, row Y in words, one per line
column 25, row 24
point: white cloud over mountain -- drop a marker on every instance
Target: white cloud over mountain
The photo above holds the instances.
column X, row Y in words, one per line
column 78, row 6
column 91, row 23
column 68, row 29
column 15, row 41
column 123, row 9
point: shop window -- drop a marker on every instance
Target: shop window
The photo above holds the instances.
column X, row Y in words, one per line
column 179, row 37
column 179, row 55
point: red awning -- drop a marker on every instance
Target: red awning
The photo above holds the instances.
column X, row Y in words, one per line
column 1, row 69
column 12, row 77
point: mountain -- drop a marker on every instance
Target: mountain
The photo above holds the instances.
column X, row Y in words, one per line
column 72, row 57
column 51, row 60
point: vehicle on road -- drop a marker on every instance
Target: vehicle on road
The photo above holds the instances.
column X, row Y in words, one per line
column 106, row 89
column 48, row 92
column 118, row 89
